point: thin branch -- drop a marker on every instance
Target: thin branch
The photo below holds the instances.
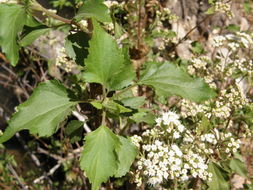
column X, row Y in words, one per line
column 14, row 173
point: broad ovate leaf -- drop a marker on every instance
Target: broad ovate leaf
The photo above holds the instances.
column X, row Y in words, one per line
column 167, row 79
column 218, row 179
column 238, row 166
column 33, row 34
column 94, row 9
column 42, row 112
column 98, row 159
column 106, row 63
column 12, row 19
column 126, row 155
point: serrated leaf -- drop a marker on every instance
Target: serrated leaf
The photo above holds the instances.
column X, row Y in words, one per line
column 94, row 9
column 238, row 166
column 42, row 112
column 105, row 63
column 74, row 130
column 34, row 33
column 126, row 155
column 12, row 19
column 98, row 159
column 218, row 181
column 168, row 79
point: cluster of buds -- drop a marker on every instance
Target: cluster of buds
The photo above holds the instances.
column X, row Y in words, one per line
column 64, row 62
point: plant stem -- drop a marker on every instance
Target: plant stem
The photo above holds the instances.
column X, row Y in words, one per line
column 37, row 7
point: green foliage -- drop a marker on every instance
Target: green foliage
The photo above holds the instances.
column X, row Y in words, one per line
column 233, row 28
column 76, row 46
column 197, row 48
column 218, row 180
column 33, row 34
column 247, row 6
column 167, row 79
column 74, row 130
column 12, row 20
column 94, row 9
column 105, row 63
column 42, row 112
column 238, row 166
column 99, row 159
column 106, row 155
column 126, row 154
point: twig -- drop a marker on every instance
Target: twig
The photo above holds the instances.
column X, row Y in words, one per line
column 32, row 155
column 190, row 31
column 82, row 118
column 61, row 160
column 139, row 24
column 14, row 173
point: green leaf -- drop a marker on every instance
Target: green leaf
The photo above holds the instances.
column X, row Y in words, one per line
column 168, row 79
column 126, row 155
column 97, row 104
column 143, row 115
column 210, row 11
column 233, row 28
column 197, row 48
column 218, row 181
column 76, row 46
column 133, row 102
column 74, row 130
column 204, row 126
column 238, row 166
column 98, row 159
column 105, row 63
column 115, row 107
column 12, row 19
column 33, row 35
column 42, row 112
column 94, row 9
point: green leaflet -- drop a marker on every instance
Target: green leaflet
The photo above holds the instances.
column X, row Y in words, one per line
column 126, row 155
column 106, row 155
column 12, row 19
column 168, row 79
column 105, row 63
column 218, row 180
column 42, row 112
column 94, row 9
column 98, row 159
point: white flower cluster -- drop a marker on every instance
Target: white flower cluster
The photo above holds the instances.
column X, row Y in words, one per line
column 136, row 140
column 64, row 62
column 163, row 159
column 172, row 124
column 192, row 109
column 234, row 41
column 110, row 3
column 231, row 144
column 224, row 8
column 8, row 1
column 163, row 163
